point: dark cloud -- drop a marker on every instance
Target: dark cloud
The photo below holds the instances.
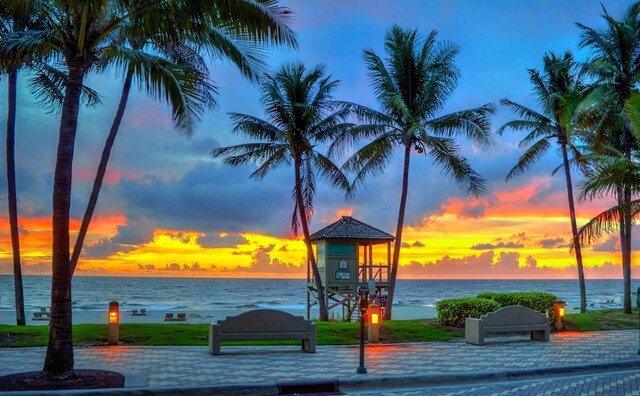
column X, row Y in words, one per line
column 499, row 245
column 611, row 244
column 135, row 232
column 212, row 240
column 105, row 248
column 552, row 243
column 414, row 244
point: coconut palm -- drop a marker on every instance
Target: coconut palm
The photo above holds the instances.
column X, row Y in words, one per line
column 301, row 113
column 559, row 92
column 412, row 85
column 14, row 20
column 181, row 69
column 79, row 34
column 615, row 51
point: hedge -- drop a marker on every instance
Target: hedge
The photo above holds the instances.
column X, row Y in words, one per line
column 540, row 301
column 454, row 311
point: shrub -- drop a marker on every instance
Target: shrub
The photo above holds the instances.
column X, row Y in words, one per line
column 540, row 301
column 453, row 311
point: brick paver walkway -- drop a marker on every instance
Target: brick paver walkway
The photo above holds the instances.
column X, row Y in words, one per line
column 190, row 366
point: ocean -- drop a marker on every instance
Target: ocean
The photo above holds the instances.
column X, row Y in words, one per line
column 210, row 299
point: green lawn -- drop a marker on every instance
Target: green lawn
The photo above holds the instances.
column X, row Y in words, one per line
column 341, row 333
column 602, row 320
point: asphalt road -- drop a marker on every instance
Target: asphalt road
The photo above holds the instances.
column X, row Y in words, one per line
column 609, row 383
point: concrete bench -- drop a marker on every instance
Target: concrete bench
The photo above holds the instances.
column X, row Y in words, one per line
column 511, row 319
column 263, row 324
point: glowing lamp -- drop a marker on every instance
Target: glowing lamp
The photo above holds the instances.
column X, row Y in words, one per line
column 558, row 313
column 114, row 312
column 113, row 332
column 374, row 324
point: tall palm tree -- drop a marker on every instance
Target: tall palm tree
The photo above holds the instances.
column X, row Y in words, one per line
column 14, row 19
column 559, row 92
column 79, row 33
column 182, row 69
column 301, row 113
column 615, row 51
column 412, row 85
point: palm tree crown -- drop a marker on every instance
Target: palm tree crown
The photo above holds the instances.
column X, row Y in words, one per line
column 412, row 85
column 301, row 114
column 559, row 92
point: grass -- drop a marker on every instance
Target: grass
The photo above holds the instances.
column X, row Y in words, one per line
column 341, row 333
column 602, row 320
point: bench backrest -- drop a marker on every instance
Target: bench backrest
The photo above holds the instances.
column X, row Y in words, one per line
column 514, row 314
column 264, row 320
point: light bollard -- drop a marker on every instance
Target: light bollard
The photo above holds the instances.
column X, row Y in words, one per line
column 558, row 314
column 374, row 324
column 364, row 304
column 113, row 334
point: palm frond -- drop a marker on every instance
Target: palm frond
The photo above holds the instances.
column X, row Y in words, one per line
column 473, row 123
column 530, row 157
column 445, row 154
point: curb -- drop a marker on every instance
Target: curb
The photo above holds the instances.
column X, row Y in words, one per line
column 357, row 384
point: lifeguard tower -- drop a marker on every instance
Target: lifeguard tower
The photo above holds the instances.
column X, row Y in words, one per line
column 345, row 259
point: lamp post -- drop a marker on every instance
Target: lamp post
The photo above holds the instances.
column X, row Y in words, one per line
column 114, row 323
column 364, row 304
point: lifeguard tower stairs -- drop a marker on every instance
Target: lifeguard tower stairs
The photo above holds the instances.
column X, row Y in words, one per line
column 345, row 258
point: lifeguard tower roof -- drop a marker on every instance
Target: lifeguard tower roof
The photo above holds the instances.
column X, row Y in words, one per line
column 349, row 228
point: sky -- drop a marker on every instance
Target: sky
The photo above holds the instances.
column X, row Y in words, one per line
column 168, row 209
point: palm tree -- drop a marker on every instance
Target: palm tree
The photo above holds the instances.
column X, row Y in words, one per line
column 79, row 33
column 615, row 51
column 412, row 85
column 14, row 20
column 301, row 113
column 559, row 92
column 181, row 70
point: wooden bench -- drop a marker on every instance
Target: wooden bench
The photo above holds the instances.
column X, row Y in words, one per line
column 263, row 324
column 511, row 319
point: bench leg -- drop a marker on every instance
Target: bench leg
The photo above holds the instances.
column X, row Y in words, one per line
column 474, row 334
column 214, row 340
column 309, row 345
column 540, row 335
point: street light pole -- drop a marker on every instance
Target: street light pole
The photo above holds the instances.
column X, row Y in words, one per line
column 364, row 304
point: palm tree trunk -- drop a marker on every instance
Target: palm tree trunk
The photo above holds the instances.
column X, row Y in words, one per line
column 397, row 244
column 12, row 196
column 625, row 237
column 102, row 169
column 59, row 358
column 322, row 303
column 574, row 230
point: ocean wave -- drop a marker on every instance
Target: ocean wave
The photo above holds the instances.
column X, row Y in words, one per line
column 282, row 306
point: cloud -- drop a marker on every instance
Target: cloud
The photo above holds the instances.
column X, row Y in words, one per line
column 417, row 244
column 212, row 240
column 552, row 243
column 506, row 265
column 499, row 245
column 137, row 231
column 105, row 248
column 515, row 241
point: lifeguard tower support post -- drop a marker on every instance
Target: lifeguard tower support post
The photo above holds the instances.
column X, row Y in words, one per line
column 344, row 254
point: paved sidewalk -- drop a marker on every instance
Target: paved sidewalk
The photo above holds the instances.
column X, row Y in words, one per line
column 193, row 366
